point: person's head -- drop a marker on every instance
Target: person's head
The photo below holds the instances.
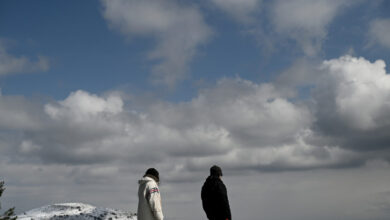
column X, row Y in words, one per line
column 153, row 173
column 216, row 171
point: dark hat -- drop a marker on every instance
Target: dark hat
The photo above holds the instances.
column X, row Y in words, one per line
column 215, row 171
column 153, row 172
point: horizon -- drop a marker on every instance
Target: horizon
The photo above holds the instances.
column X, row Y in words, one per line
column 290, row 98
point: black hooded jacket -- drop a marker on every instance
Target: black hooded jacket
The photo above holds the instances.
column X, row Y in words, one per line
column 215, row 200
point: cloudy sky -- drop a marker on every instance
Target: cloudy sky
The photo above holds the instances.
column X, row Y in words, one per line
column 290, row 97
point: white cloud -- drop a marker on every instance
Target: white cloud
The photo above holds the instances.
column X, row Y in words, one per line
column 359, row 91
column 10, row 64
column 81, row 104
column 349, row 99
column 178, row 30
column 380, row 32
column 255, row 114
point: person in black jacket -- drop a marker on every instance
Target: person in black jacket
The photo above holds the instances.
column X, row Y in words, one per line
column 214, row 196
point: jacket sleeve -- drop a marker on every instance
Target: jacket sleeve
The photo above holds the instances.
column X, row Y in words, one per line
column 154, row 199
column 205, row 202
column 225, row 201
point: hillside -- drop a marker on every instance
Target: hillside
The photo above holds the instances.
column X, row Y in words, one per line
column 75, row 211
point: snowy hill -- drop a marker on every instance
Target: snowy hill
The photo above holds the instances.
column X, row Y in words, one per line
column 75, row 211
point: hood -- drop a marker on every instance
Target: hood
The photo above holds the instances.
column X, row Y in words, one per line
column 212, row 181
column 145, row 180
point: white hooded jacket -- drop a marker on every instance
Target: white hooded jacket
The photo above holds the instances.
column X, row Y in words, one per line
column 149, row 203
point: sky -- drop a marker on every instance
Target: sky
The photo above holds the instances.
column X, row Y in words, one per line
column 291, row 99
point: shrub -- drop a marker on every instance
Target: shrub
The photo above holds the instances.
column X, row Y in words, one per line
column 9, row 214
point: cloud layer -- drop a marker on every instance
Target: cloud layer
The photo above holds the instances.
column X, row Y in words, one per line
column 237, row 123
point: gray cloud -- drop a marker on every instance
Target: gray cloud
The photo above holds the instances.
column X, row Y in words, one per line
column 303, row 73
column 379, row 32
column 10, row 64
column 306, row 21
column 18, row 113
column 241, row 10
column 178, row 30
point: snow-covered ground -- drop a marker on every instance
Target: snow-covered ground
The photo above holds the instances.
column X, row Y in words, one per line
column 75, row 211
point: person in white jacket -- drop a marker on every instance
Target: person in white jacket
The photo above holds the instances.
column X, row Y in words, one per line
column 149, row 198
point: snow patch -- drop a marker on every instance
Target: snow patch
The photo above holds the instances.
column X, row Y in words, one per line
column 75, row 211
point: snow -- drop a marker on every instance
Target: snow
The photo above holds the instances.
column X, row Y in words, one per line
column 75, row 211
